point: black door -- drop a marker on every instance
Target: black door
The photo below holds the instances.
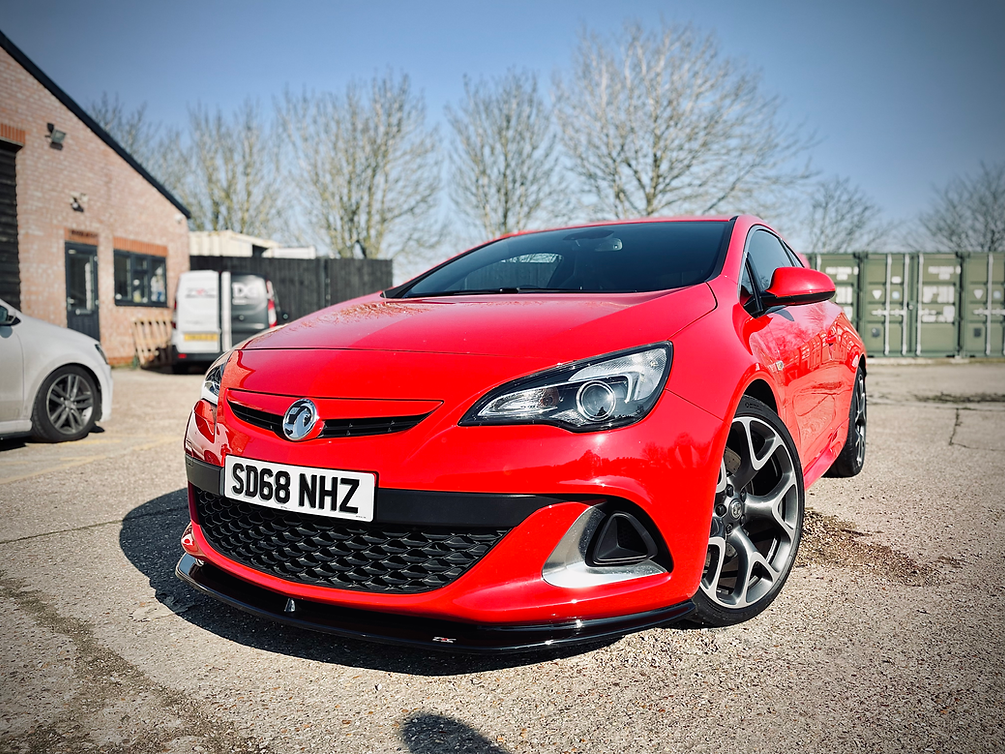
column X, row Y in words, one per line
column 82, row 289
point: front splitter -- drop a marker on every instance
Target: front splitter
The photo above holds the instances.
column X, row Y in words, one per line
column 425, row 633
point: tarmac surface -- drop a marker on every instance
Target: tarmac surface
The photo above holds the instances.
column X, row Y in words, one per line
column 887, row 637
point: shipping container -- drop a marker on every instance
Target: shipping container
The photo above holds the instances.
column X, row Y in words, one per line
column 983, row 304
column 936, row 324
column 886, row 300
column 922, row 304
column 843, row 270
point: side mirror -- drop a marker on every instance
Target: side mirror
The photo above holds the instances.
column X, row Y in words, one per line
column 7, row 316
column 792, row 286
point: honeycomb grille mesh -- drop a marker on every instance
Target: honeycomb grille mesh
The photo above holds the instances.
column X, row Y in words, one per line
column 341, row 554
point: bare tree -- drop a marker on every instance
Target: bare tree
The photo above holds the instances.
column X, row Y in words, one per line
column 843, row 218
column 504, row 156
column 367, row 168
column 130, row 129
column 967, row 215
column 233, row 172
column 162, row 151
column 663, row 124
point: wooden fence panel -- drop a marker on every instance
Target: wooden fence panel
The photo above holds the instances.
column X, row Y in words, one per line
column 358, row 277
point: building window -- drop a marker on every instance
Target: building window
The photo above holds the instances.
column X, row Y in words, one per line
column 140, row 279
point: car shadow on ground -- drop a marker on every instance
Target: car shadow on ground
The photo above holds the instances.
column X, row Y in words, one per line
column 150, row 540
column 431, row 734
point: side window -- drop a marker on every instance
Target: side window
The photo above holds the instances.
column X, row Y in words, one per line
column 766, row 254
column 746, row 287
column 796, row 261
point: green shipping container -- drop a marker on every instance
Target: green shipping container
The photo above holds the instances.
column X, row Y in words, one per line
column 843, row 270
column 886, row 296
column 936, row 321
column 983, row 303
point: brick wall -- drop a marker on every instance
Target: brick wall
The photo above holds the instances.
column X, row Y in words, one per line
column 120, row 202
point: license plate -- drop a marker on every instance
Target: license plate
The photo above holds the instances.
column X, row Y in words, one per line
column 201, row 336
column 304, row 489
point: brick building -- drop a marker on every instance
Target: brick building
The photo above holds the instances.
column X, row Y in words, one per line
column 88, row 238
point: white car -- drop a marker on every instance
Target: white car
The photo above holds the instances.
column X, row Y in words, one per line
column 55, row 383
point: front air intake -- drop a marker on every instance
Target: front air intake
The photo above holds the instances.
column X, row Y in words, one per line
column 621, row 540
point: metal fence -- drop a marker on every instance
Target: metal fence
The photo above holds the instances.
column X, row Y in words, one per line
column 921, row 304
column 306, row 285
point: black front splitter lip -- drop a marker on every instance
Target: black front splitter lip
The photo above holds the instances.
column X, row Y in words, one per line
column 424, row 633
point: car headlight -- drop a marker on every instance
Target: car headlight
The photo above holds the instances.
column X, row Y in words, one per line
column 214, row 376
column 608, row 391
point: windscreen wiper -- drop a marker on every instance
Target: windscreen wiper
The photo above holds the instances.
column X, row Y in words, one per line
column 489, row 291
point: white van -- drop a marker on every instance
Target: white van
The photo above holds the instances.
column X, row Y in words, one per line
column 215, row 311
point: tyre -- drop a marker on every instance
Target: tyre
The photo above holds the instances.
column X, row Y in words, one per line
column 65, row 406
column 852, row 457
column 756, row 522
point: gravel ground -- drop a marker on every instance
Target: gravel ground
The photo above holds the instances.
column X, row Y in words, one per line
column 888, row 636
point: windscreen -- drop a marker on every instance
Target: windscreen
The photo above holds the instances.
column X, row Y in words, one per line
column 614, row 258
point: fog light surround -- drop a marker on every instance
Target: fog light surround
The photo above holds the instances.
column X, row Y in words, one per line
column 574, row 565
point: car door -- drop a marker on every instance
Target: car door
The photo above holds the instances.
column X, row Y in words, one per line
column 799, row 334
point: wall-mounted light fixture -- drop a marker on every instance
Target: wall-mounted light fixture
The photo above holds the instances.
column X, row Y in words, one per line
column 78, row 201
column 55, row 136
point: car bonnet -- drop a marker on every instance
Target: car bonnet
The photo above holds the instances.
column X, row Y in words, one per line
column 564, row 326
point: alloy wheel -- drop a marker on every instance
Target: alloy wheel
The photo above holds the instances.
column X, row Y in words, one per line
column 69, row 403
column 859, row 420
column 757, row 517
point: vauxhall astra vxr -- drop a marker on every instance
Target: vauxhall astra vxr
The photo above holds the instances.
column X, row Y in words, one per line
column 557, row 436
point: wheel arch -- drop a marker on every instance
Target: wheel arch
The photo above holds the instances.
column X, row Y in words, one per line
column 98, row 404
column 761, row 390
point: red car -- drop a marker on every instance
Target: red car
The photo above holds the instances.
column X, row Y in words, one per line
column 557, row 436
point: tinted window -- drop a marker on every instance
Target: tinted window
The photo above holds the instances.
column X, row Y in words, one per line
column 766, row 254
column 613, row 258
column 249, row 298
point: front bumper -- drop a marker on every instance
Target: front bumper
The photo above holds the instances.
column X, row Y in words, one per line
column 424, row 633
column 534, row 481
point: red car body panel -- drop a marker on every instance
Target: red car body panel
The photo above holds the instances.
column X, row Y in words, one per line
column 377, row 357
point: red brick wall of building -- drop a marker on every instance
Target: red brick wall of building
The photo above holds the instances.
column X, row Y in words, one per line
column 120, row 202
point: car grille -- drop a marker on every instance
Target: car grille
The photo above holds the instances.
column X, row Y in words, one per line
column 381, row 425
column 341, row 554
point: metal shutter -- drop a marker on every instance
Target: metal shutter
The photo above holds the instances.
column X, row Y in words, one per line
column 10, row 275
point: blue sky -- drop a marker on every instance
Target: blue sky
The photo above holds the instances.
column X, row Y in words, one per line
column 902, row 95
